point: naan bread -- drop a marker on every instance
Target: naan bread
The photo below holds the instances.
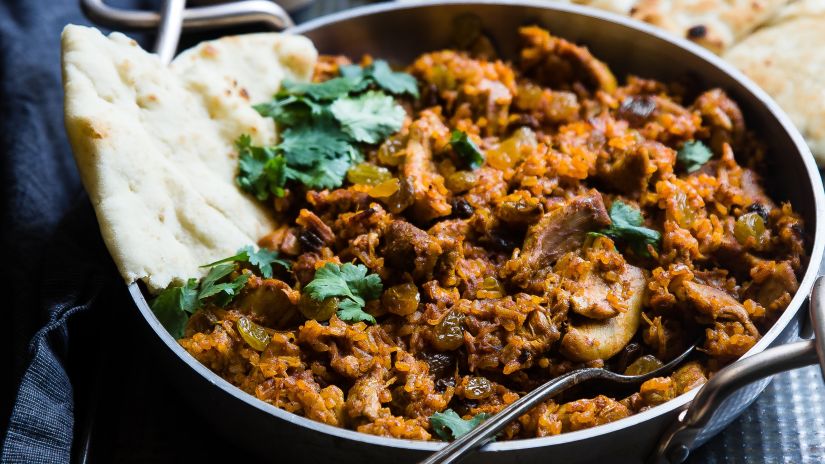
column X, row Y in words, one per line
column 154, row 144
column 714, row 24
column 787, row 60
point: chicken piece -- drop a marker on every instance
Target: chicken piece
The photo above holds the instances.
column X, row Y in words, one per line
column 661, row 389
column 541, row 421
column 283, row 239
column 416, row 392
column 723, row 117
column 773, row 286
column 751, row 184
column 315, row 234
column 689, row 376
column 588, row 413
column 323, row 405
column 535, row 337
column 657, row 391
column 730, row 339
column 430, row 196
column 409, row 248
column 272, row 300
column 520, row 208
column 365, row 248
column 559, row 231
column 338, row 201
column 482, row 88
column 595, row 282
column 733, row 330
column 712, row 302
column 555, row 62
column 631, row 171
column 365, row 397
column 591, row 340
column 504, row 333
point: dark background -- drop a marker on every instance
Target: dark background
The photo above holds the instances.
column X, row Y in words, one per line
column 125, row 411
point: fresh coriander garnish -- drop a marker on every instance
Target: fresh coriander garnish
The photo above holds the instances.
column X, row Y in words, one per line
column 323, row 125
column 260, row 170
column 225, row 291
column 466, row 149
column 175, row 304
column 351, row 284
column 693, row 155
column 626, row 225
column 263, row 259
column 380, row 74
column 448, row 425
column 368, row 118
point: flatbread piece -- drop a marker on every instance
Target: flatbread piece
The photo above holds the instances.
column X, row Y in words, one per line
column 787, row 60
column 154, row 144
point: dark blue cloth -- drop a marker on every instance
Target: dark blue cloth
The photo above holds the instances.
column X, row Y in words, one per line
column 54, row 264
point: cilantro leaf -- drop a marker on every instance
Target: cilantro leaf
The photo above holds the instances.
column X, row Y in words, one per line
column 324, row 175
column 367, row 286
column 449, row 425
column 351, row 284
column 223, row 292
column 693, row 155
column 210, row 285
column 380, row 74
column 263, row 259
column 466, row 149
column 368, row 118
column 626, row 224
column 322, row 125
column 352, row 71
column 329, row 282
column 228, row 290
column 328, row 90
column 260, row 170
column 396, row 83
column 310, row 144
column 240, row 256
column 174, row 305
column 289, row 109
column 350, row 311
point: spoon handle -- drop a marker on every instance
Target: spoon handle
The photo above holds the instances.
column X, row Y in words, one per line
column 487, row 430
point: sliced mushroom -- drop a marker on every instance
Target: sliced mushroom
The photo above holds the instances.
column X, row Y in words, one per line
column 591, row 339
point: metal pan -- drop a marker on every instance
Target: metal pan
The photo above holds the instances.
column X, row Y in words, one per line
column 399, row 32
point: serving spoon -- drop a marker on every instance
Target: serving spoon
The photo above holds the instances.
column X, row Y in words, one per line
column 461, row 447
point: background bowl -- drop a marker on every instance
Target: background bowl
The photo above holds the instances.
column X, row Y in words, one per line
column 398, row 33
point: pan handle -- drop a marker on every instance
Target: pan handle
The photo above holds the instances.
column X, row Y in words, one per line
column 174, row 17
column 205, row 17
column 677, row 442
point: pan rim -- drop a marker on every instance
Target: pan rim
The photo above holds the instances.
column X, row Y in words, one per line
column 768, row 338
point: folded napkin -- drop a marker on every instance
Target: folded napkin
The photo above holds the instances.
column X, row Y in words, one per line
column 55, row 263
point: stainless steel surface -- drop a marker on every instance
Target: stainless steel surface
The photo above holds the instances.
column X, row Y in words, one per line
column 461, row 447
column 817, row 305
column 171, row 23
column 399, row 32
column 203, row 17
column 677, row 442
column 680, row 439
